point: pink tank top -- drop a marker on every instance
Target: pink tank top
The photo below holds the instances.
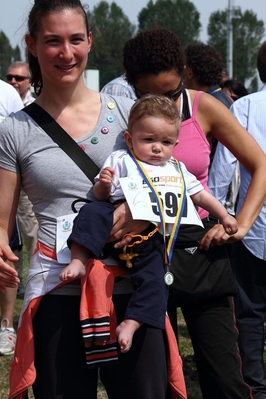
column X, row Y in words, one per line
column 194, row 149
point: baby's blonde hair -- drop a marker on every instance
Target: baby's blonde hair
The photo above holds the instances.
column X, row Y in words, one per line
column 156, row 105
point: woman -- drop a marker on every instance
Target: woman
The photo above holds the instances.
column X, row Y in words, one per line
column 50, row 353
column 154, row 63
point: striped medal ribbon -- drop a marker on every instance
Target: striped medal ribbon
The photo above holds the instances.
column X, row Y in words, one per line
column 170, row 242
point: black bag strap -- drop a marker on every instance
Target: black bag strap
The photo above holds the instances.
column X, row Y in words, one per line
column 62, row 138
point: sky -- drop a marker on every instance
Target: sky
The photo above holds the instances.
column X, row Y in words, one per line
column 14, row 13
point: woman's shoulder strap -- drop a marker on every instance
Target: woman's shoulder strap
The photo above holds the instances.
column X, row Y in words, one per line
column 196, row 103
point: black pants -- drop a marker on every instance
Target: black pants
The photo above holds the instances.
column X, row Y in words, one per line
column 142, row 372
column 250, row 308
column 213, row 334
column 202, row 288
column 59, row 351
column 60, row 357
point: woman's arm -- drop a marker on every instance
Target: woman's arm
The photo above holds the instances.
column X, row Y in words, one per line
column 10, row 189
column 219, row 122
column 206, row 201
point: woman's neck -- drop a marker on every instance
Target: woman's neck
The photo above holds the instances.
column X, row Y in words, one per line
column 54, row 99
column 76, row 111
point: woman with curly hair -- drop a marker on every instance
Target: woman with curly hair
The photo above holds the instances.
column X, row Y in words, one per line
column 203, row 282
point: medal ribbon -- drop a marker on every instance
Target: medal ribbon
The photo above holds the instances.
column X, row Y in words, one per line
column 170, row 246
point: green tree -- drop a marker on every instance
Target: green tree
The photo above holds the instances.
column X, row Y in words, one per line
column 179, row 16
column 248, row 32
column 16, row 54
column 111, row 28
column 6, row 53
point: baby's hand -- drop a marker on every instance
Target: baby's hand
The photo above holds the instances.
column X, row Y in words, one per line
column 106, row 176
column 230, row 225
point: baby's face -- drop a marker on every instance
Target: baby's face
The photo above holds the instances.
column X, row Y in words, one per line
column 152, row 139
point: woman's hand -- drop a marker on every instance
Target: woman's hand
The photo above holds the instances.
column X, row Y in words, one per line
column 217, row 236
column 8, row 275
column 124, row 224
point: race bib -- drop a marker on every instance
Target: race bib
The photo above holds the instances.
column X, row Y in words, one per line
column 143, row 205
column 63, row 230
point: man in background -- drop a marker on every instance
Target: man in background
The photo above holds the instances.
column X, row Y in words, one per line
column 248, row 256
column 18, row 76
column 120, row 87
column 10, row 102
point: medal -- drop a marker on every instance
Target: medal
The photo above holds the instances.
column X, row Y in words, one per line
column 169, row 243
column 168, row 277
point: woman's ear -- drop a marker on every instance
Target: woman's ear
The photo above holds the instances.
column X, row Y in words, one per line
column 31, row 45
column 128, row 139
column 89, row 41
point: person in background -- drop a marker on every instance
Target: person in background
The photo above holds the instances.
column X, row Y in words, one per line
column 248, row 256
column 203, row 71
column 204, row 67
column 203, row 284
column 18, row 76
column 9, row 102
column 50, row 353
column 119, row 87
column 234, row 89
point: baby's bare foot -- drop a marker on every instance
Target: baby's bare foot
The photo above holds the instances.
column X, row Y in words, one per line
column 72, row 272
column 125, row 332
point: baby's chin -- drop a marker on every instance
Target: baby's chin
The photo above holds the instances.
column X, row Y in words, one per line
column 154, row 160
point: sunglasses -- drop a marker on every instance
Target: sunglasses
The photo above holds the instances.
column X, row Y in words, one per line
column 16, row 77
column 173, row 96
column 176, row 94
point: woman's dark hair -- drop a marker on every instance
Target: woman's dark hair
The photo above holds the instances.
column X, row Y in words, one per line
column 236, row 88
column 151, row 52
column 41, row 9
column 205, row 62
column 261, row 62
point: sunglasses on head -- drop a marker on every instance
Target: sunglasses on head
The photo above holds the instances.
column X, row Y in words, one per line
column 18, row 78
